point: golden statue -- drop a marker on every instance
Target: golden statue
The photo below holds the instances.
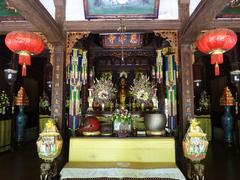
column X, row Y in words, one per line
column 122, row 92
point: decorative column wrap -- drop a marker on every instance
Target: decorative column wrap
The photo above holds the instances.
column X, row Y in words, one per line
column 84, row 68
column 171, row 90
column 159, row 65
column 84, row 94
column 74, row 81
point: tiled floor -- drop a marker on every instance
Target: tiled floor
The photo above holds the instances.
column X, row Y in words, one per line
column 221, row 163
column 21, row 164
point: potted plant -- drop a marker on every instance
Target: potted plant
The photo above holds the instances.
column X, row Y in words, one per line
column 44, row 105
column 4, row 103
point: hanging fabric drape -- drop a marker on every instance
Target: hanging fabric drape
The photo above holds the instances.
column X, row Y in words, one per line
column 159, row 65
column 74, row 80
column 84, row 68
column 171, row 90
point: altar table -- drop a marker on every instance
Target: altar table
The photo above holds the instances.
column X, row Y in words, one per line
column 98, row 157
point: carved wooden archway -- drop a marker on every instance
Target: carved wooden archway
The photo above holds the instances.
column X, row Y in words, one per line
column 72, row 38
column 172, row 37
column 49, row 46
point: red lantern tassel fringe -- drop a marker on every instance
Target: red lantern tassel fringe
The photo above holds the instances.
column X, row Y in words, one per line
column 217, row 58
column 216, row 69
column 24, row 59
column 24, row 70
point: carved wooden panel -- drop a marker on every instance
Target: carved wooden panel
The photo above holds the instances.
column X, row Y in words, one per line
column 72, row 38
column 172, row 37
column 49, row 46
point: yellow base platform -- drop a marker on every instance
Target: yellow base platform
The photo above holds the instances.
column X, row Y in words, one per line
column 145, row 149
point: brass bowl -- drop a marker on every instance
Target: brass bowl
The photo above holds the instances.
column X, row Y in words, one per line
column 93, row 133
column 154, row 122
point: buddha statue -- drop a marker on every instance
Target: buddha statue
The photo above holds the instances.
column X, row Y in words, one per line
column 122, row 92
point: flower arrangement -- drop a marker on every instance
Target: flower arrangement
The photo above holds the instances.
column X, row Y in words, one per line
column 44, row 104
column 204, row 102
column 4, row 102
column 122, row 122
column 142, row 90
column 103, row 90
column 122, row 116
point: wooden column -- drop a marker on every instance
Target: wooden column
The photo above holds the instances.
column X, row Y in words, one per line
column 58, row 97
column 58, row 85
column 183, row 9
column 186, row 94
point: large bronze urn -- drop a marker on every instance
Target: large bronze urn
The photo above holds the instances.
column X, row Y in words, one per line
column 155, row 123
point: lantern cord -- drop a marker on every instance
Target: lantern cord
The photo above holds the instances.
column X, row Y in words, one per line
column 217, row 71
column 24, row 70
column 217, row 58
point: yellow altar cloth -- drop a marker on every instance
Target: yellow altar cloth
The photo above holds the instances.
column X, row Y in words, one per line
column 206, row 125
column 5, row 134
column 145, row 149
column 121, row 158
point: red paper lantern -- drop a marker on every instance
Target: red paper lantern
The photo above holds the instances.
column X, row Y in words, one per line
column 24, row 44
column 216, row 42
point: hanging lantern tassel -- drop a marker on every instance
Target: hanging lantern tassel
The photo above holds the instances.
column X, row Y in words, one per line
column 24, row 70
column 216, row 69
column 24, row 60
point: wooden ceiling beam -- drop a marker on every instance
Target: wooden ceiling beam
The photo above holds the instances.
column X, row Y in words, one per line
column 113, row 25
column 233, row 24
column 36, row 13
column 7, row 26
column 200, row 19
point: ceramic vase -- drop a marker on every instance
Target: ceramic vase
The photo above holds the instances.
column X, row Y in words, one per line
column 227, row 123
column 20, row 124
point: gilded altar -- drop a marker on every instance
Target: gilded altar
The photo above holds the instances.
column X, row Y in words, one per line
column 135, row 78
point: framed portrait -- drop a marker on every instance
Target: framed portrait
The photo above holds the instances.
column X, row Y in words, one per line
column 7, row 13
column 117, row 9
column 232, row 10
